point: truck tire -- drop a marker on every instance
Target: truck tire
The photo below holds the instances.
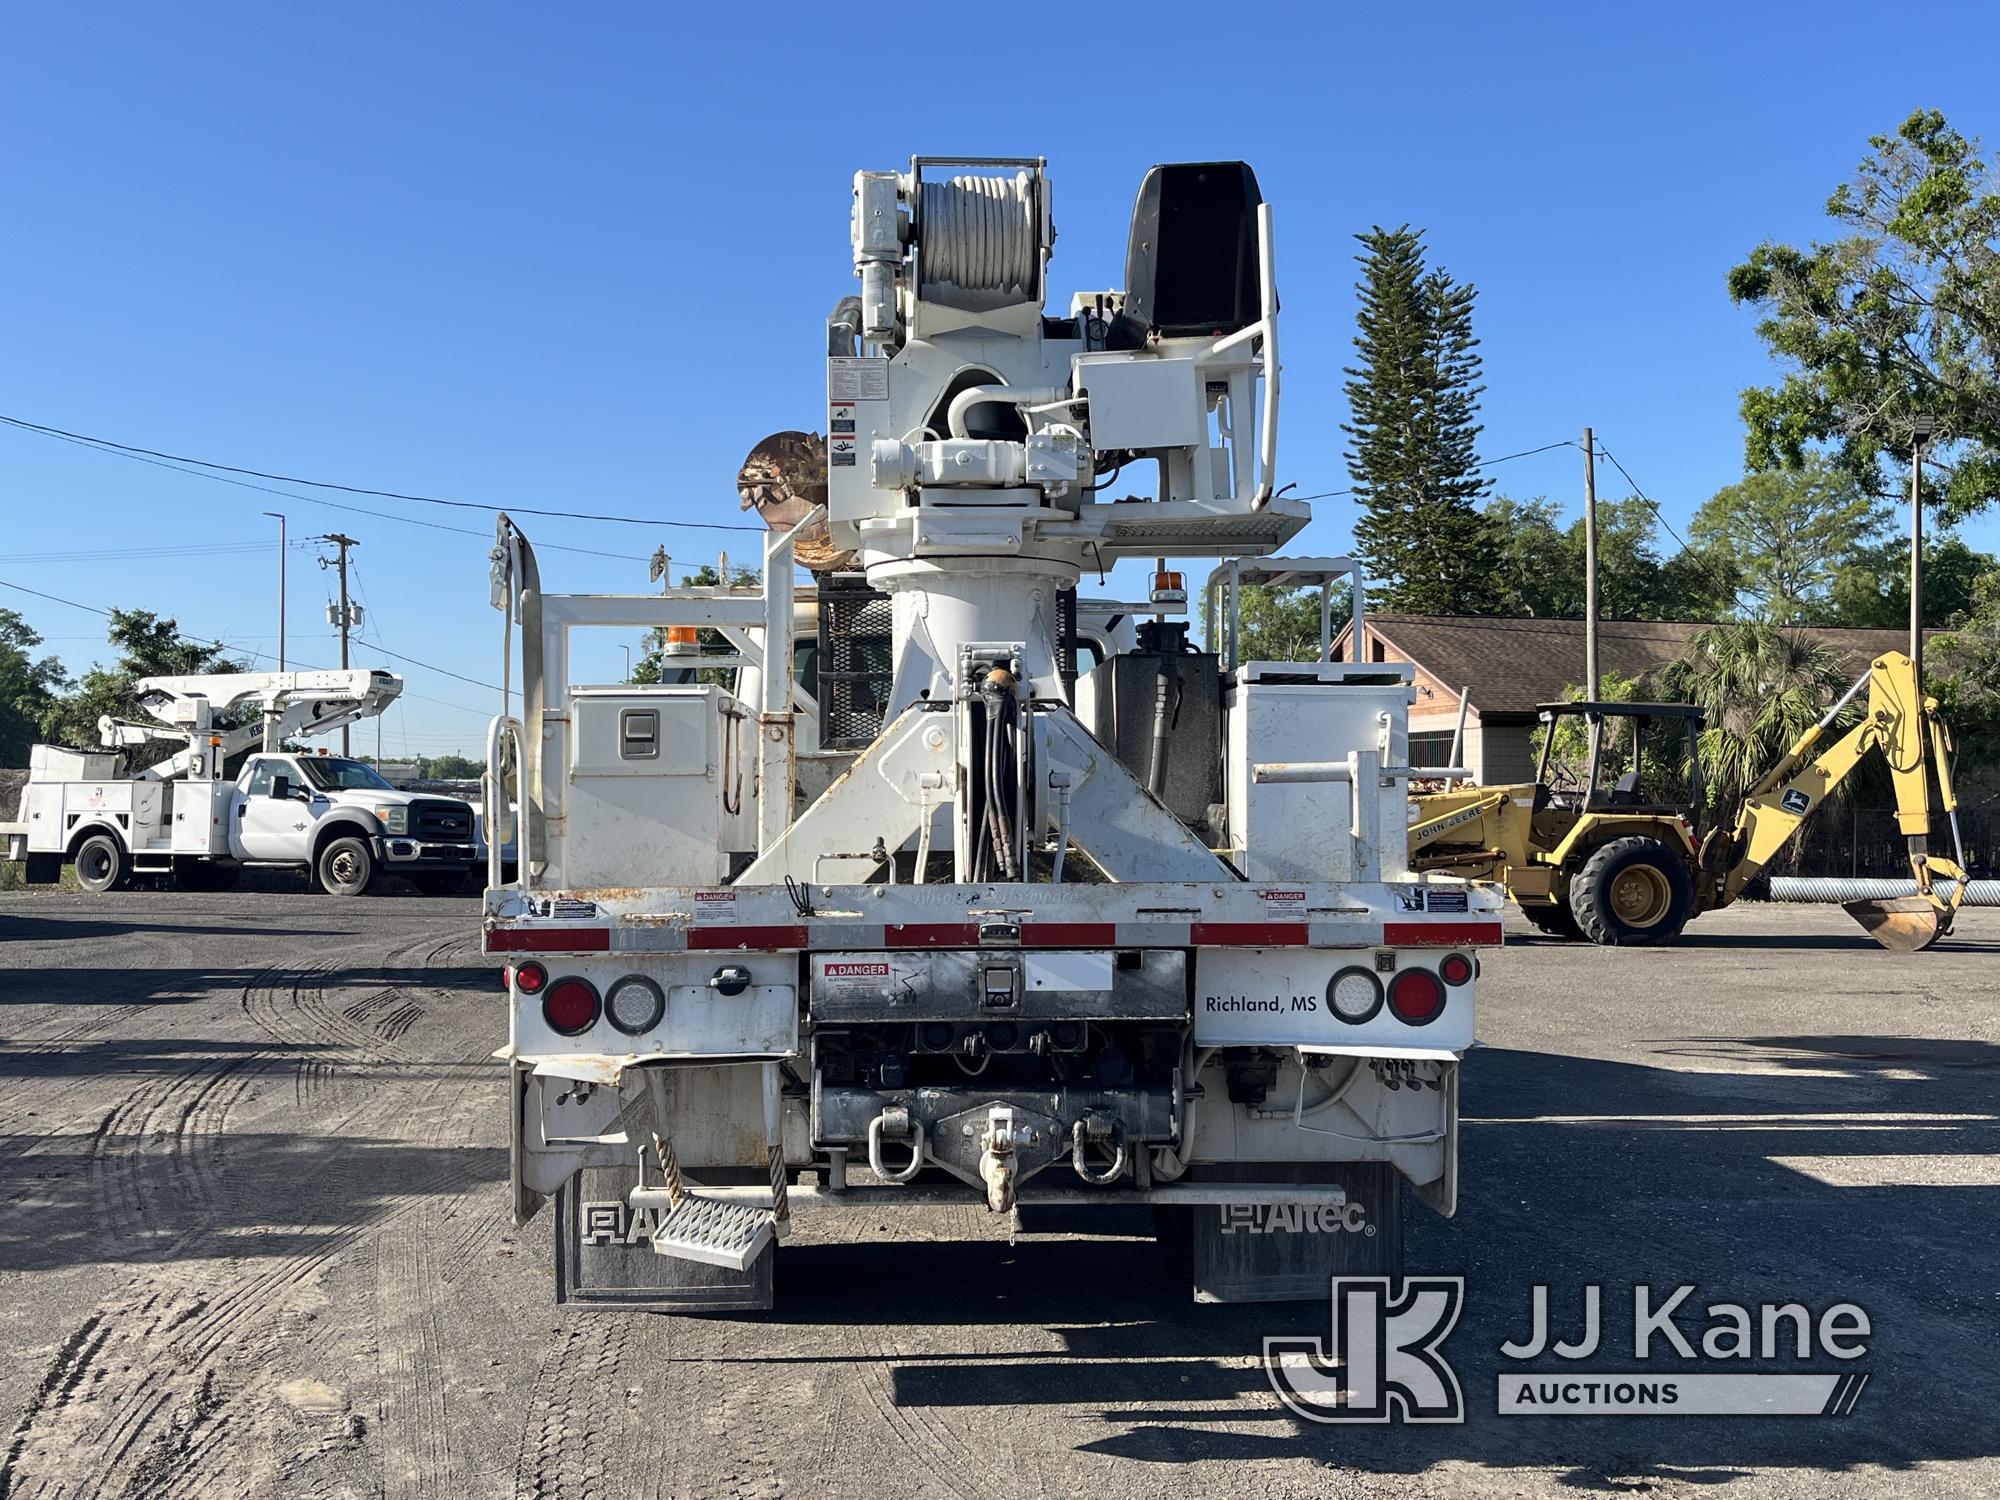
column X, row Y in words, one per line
column 1557, row 921
column 439, row 882
column 203, row 876
column 346, row 866
column 1632, row 892
column 102, row 864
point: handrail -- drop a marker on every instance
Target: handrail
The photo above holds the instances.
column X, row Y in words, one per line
column 501, row 727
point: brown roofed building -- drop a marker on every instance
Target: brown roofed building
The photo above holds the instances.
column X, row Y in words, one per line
column 1512, row 665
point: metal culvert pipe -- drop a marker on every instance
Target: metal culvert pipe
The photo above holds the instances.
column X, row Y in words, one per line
column 1836, row 889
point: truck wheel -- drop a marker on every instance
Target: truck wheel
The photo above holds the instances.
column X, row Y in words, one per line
column 203, row 876
column 439, row 882
column 1556, row 920
column 1632, row 891
column 346, row 867
column 102, row 864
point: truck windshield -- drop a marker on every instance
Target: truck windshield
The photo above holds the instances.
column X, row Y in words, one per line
column 333, row 774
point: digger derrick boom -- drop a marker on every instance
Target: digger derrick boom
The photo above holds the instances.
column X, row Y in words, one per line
column 917, row 891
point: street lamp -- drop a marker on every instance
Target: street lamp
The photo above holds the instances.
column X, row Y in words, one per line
column 274, row 515
column 1921, row 428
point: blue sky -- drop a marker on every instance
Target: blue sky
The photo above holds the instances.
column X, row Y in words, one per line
column 580, row 257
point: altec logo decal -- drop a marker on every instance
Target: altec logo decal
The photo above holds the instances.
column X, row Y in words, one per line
column 1295, row 1218
column 857, row 971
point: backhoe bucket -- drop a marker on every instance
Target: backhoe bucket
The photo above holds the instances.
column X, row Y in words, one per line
column 1902, row 924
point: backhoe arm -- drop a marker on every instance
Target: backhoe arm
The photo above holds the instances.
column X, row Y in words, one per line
column 1905, row 727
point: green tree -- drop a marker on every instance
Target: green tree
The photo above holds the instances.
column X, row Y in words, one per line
column 1761, row 687
column 28, row 688
column 451, row 768
column 1281, row 624
column 1963, row 669
column 1539, row 565
column 1790, row 534
column 1873, row 586
column 1414, row 398
column 148, row 646
column 1898, row 318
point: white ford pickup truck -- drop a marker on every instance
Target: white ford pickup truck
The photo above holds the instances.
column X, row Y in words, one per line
column 332, row 817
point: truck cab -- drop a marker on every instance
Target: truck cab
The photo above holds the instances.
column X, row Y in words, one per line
column 340, row 819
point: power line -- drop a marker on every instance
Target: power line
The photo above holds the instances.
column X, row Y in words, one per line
column 215, row 645
column 1730, row 584
column 1484, row 463
column 354, row 489
column 359, row 510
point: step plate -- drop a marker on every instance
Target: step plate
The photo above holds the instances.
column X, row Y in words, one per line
column 715, row 1231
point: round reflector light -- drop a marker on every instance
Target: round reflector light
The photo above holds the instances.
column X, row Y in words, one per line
column 635, row 1004
column 1355, row 995
column 570, row 1006
column 530, row 978
column 1456, row 969
column 1416, row 997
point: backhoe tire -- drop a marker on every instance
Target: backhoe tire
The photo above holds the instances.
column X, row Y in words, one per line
column 1632, row 892
column 346, row 866
column 1555, row 920
column 102, row 864
column 201, row 876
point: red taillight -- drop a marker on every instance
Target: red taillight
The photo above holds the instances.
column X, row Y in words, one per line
column 1456, row 969
column 529, row 978
column 571, row 1006
column 1416, row 997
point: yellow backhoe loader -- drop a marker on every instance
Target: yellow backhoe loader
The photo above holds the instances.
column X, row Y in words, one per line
column 1604, row 859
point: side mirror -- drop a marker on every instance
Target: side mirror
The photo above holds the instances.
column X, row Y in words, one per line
column 281, row 789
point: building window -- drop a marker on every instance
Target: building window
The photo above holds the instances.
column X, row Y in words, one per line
column 1431, row 748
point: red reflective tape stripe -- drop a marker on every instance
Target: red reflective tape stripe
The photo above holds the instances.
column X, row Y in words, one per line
column 1440, row 934
column 761, row 939
column 1069, row 934
column 548, row 940
column 930, row 935
column 1248, row 934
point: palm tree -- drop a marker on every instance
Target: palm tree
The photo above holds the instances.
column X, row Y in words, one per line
column 1761, row 688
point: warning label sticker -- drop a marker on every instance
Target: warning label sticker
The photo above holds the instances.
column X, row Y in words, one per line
column 857, row 378
column 1284, row 899
column 840, row 418
column 851, row 978
column 840, row 451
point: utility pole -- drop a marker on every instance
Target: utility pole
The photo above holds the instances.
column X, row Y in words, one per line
column 345, row 617
column 1589, row 567
column 271, row 722
column 1921, row 429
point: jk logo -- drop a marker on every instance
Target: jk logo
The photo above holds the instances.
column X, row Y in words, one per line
column 1383, row 1364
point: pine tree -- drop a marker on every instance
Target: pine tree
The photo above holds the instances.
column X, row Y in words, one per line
column 1415, row 403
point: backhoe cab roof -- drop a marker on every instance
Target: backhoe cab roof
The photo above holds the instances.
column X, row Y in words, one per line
column 1623, row 710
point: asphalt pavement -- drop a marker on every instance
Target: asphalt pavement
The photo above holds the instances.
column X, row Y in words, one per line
column 254, row 1242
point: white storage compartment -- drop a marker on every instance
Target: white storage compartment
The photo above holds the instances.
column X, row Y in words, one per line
column 1294, row 713
column 54, row 763
column 200, row 816
column 662, row 786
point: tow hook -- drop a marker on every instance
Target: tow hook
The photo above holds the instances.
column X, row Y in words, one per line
column 1093, row 1130
column 996, row 1156
column 895, row 1124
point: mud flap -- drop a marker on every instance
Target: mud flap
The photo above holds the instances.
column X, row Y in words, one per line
column 1264, row 1252
column 605, row 1256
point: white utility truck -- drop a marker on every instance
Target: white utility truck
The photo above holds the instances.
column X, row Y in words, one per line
column 931, row 913
column 332, row 817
